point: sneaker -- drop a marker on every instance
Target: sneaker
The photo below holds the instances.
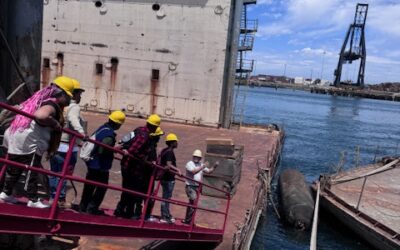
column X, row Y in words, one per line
column 151, row 219
column 166, row 220
column 37, row 204
column 172, row 219
column 8, row 198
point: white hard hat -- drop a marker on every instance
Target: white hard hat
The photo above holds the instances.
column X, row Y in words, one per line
column 197, row 153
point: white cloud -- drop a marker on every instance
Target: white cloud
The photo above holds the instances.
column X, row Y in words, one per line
column 316, row 52
column 381, row 60
column 299, row 31
column 385, row 19
column 273, row 30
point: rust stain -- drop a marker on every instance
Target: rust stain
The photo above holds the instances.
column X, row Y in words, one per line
column 153, row 95
column 113, row 79
column 74, row 43
column 45, row 76
column 97, row 87
column 166, row 51
column 59, row 41
column 60, row 64
column 100, row 45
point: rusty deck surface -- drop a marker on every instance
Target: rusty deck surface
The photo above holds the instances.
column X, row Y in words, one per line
column 372, row 202
column 259, row 146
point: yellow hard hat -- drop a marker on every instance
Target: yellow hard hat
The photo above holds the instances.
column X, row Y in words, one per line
column 65, row 83
column 117, row 116
column 77, row 85
column 197, row 153
column 154, row 120
column 171, row 137
column 158, row 132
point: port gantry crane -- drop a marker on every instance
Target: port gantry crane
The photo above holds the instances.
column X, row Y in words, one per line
column 353, row 47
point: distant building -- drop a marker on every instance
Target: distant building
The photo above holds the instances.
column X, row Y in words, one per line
column 175, row 58
column 298, row 80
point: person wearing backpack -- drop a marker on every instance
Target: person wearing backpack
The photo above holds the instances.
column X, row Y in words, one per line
column 168, row 161
column 75, row 122
column 133, row 168
column 100, row 163
column 27, row 140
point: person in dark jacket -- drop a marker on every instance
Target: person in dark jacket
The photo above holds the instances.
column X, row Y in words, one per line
column 98, row 167
column 168, row 161
column 154, row 139
column 133, row 169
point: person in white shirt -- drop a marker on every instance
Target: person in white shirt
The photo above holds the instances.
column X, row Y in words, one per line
column 75, row 122
column 194, row 170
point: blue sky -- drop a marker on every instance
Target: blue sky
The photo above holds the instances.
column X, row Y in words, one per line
column 306, row 36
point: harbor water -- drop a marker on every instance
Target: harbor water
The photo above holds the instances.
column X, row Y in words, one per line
column 321, row 131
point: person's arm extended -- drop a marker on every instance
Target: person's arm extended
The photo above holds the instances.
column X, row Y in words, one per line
column 44, row 116
column 171, row 166
column 73, row 117
column 210, row 170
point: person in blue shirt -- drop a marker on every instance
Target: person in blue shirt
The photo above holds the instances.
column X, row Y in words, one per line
column 100, row 164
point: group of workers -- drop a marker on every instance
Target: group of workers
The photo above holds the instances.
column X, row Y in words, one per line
column 57, row 106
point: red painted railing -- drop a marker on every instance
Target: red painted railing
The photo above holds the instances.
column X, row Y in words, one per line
column 149, row 195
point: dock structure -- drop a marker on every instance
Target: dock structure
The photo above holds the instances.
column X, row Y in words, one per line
column 367, row 200
column 261, row 151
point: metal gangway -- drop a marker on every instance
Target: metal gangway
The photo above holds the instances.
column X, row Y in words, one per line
column 20, row 219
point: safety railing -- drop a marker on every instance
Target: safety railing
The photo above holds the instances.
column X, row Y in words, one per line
column 248, row 26
column 149, row 195
column 246, row 42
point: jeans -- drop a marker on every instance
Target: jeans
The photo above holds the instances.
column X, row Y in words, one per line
column 56, row 165
column 167, row 187
column 191, row 192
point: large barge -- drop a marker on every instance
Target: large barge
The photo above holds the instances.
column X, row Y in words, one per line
column 366, row 200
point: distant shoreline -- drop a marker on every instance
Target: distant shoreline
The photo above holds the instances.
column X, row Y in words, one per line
column 330, row 90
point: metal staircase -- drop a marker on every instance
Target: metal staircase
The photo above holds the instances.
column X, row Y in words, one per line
column 244, row 66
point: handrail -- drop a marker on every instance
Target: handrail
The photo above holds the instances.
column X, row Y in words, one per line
column 110, row 186
column 148, row 196
column 86, row 138
column 313, row 240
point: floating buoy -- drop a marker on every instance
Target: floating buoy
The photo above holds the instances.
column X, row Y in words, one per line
column 297, row 202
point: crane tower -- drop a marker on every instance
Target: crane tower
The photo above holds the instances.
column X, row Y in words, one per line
column 353, row 47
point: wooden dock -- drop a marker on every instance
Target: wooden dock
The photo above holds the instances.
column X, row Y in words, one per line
column 367, row 200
